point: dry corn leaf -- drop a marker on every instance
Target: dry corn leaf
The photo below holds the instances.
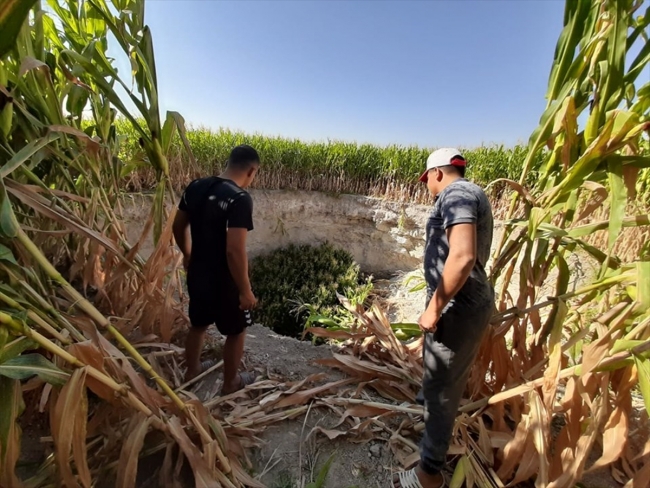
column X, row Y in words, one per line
column 302, row 397
column 513, row 451
column 499, row 440
column 127, row 468
column 575, row 469
column 204, row 477
column 11, row 406
column 149, row 396
column 68, row 420
column 91, row 355
column 167, row 477
column 392, row 390
column 529, row 464
column 243, row 477
column 334, row 334
column 273, row 397
column 45, row 207
column 362, row 411
column 484, row 443
column 615, row 436
column 331, row 434
column 372, row 369
column 539, row 425
column 594, row 353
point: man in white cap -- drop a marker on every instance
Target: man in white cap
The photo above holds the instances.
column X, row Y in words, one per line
column 460, row 303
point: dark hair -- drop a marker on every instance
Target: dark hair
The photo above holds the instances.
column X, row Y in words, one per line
column 243, row 157
column 453, row 168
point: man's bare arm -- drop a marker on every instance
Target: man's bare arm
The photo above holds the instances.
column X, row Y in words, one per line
column 238, row 265
column 459, row 264
column 181, row 230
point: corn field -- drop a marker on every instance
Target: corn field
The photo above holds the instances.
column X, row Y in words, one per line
column 337, row 167
column 87, row 325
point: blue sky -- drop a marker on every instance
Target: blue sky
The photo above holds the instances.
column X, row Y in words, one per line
column 430, row 73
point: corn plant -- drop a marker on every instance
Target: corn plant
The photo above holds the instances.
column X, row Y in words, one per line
column 338, row 167
column 595, row 339
column 60, row 212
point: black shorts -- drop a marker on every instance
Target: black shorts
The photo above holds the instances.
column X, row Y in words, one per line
column 218, row 307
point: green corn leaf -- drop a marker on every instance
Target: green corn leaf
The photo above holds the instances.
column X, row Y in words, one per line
column 107, row 89
column 419, row 287
column 77, row 100
column 575, row 21
column 618, row 201
column 643, row 285
column 150, row 81
column 639, row 64
column 588, row 229
column 460, row 473
column 322, row 474
column 625, row 345
column 14, row 348
column 7, row 255
column 182, row 132
column 536, row 218
column 168, row 133
column 26, row 152
column 643, row 369
column 4, row 338
column 28, row 365
column 95, row 24
column 12, row 16
column 324, row 320
column 7, row 219
column 617, row 48
column 6, row 119
column 159, row 210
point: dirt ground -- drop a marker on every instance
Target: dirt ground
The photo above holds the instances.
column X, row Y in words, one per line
column 288, row 452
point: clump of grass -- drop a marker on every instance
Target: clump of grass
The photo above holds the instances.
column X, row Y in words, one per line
column 296, row 283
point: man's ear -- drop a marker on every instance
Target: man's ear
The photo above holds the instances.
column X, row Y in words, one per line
column 439, row 175
column 251, row 171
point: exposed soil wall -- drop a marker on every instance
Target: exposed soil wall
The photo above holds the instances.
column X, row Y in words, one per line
column 384, row 237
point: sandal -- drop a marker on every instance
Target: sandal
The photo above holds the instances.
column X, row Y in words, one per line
column 408, row 479
column 245, row 378
column 205, row 365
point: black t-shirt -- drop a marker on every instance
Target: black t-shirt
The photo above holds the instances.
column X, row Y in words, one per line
column 214, row 204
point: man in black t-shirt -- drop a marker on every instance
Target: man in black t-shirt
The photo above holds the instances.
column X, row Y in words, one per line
column 217, row 213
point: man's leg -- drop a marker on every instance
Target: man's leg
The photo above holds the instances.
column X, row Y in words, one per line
column 233, row 352
column 201, row 316
column 233, row 323
column 193, row 348
column 448, row 357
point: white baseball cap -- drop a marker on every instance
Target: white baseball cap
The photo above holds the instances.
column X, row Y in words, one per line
column 443, row 157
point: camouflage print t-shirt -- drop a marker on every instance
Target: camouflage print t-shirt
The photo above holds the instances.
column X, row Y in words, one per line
column 459, row 203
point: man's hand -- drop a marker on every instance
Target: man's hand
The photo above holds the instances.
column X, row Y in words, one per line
column 186, row 262
column 428, row 322
column 247, row 300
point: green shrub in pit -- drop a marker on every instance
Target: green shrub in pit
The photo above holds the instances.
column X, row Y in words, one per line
column 295, row 282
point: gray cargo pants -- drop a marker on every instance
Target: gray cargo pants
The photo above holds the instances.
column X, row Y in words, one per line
column 448, row 355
